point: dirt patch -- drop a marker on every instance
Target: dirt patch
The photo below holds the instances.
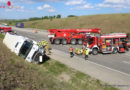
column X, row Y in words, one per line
column 64, row 77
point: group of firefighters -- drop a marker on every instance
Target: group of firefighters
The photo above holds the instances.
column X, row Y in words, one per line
column 46, row 45
column 84, row 51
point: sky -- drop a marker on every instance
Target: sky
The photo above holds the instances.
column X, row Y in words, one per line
column 24, row 9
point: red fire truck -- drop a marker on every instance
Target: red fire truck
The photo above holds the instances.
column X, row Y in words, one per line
column 109, row 43
column 72, row 36
column 4, row 29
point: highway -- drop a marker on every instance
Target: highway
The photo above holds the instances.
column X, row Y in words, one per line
column 118, row 63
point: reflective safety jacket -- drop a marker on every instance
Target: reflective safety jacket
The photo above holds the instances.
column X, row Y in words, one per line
column 87, row 51
column 39, row 44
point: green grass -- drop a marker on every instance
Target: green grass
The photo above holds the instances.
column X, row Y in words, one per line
column 107, row 22
column 1, row 36
column 17, row 74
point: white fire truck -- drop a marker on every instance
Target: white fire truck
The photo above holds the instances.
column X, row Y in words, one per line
column 108, row 43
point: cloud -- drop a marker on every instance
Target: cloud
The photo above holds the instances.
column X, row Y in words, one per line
column 47, row 7
column 75, row 2
column 51, row 10
column 117, row 4
column 3, row 1
column 16, row 8
column 34, row 1
column 114, row 1
column 85, row 6
column 40, row 8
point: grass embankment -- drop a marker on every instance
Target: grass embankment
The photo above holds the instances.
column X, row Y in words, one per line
column 107, row 22
column 17, row 74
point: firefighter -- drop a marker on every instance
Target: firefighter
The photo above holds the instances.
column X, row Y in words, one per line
column 86, row 53
column 81, row 51
column 76, row 50
column 39, row 44
column 47, row 46
column 15, row 32
column 71, row 51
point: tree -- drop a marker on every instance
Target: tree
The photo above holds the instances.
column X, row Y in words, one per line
column 45, row 17
column 71, row 16
column 58, row 16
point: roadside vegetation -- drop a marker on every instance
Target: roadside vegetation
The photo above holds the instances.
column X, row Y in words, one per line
column 108, row 23
column 17, row 74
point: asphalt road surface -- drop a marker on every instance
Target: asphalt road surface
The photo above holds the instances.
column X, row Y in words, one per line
column 118, row 62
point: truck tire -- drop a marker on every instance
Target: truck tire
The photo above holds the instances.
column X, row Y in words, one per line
column 57, row 41
column 36, row 59
column 115, row 50
column 80, row 42
column 64, row 41
column 73, row 41
column 95, row 51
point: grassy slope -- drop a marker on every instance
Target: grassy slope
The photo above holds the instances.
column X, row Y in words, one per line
column 108, row 23
column 15, row 73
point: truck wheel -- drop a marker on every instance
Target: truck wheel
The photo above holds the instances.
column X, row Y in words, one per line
column 80, row 42
column 36, row 58
column 64, row 41
column 73, row 41
column 115, row 50
column 95, row 51
column 57, row 41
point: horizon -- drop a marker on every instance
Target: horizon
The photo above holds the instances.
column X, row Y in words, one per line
column 23, row 9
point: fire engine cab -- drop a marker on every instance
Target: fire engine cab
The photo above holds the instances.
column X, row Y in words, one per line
column 108, row 43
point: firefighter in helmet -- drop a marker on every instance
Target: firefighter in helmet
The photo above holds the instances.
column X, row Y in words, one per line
column 71, row 51
column 47, row 46
column 86, row 53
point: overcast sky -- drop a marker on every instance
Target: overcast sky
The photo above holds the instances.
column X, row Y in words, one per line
column 23, row 9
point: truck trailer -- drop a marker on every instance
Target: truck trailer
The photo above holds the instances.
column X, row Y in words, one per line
column 20, row 25
column 70, row 36
column 24, row 47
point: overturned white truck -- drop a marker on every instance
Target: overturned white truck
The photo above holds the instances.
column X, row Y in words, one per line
column 24, row 47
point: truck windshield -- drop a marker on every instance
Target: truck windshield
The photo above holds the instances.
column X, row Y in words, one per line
column 25, row 49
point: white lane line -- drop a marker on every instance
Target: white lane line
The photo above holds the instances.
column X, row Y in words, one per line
column 109, row 68
column 126, row 62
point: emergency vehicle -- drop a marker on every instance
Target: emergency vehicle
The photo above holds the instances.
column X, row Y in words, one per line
column 69, row 36
column 108, row 43
column 128, row 40
column 4, row 29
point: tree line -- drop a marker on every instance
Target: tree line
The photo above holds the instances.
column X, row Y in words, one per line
column 45, row 17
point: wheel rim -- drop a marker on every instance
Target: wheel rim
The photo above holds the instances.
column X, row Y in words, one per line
column 64, row 42
column 80, row 42
column 73, row 41
column 57, row 41
column 95, row 52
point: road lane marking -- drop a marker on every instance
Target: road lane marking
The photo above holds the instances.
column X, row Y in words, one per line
column 109, row 68
column 126, row 62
